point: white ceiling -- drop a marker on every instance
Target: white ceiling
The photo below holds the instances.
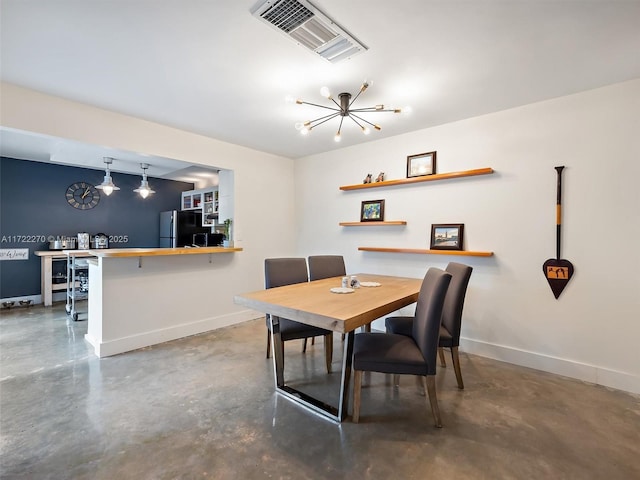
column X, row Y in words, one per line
column 210, row 67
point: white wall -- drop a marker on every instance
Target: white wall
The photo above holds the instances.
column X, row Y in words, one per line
column 255, row 220
column 591, row 332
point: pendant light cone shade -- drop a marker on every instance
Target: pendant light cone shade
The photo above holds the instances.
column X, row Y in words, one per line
column 107, row 185
column 343, row 108
column 144, row 189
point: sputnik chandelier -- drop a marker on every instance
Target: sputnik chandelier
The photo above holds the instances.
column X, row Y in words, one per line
column 344, row 110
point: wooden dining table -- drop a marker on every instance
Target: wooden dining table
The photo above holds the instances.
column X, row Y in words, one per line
column 314, row 303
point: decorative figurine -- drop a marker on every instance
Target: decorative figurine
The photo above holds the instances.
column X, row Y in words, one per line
column 367, row 179
column 380, row 177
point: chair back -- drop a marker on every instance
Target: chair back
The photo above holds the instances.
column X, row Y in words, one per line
column 284, row 271
column 428, row 318
column 326, row 266
column 454, row 301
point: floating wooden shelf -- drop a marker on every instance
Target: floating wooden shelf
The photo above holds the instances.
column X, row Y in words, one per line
column 425, row 178
column 372, row 224
column 426, row 251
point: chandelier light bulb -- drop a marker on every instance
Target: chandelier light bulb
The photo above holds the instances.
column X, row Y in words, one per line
column 366, row 130
column 325, row 92
column 337, row 137
column 144, row 192
column 304, row 131
column 107, row 189
column 299, row 125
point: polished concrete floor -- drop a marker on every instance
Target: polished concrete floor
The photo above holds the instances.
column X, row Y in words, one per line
column 204, row 407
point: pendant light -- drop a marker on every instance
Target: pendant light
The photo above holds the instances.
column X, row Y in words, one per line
column 144, row 190
column 107, row 185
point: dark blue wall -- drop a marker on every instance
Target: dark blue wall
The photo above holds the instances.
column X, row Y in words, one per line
column 33, row 203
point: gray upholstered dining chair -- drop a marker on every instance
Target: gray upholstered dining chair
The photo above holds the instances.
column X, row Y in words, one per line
column 401, row 354
column 287, row 271
column 451, row 317
column 326, row 266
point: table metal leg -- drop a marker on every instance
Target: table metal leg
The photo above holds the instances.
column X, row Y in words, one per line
column 315, row 405
column 347, row 359
column 277, row 351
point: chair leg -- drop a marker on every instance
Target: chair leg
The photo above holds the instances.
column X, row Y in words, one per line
column 268, row 343
column 304, row 346
column 441, row 355
column 357, row 386
column 313, row 340
column 420, row 385
column 456, row 366
column 343, row 337
column 396, row 380
column 328, row 350
column 430, row 382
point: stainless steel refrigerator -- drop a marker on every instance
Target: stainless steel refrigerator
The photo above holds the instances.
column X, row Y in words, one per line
column 183, row 228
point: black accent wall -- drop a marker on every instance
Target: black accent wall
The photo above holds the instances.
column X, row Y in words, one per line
column 33, row 208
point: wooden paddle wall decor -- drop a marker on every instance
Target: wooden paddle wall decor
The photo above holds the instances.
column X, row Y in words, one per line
column 558, row 271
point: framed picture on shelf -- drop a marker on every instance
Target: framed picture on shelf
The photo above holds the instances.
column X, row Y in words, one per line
column 372, row 211
column 447, row 236
column 421, row 164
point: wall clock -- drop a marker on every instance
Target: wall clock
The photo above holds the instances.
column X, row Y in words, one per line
column 82, row 195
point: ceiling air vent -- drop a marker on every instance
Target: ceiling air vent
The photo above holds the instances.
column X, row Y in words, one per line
column 308, row 26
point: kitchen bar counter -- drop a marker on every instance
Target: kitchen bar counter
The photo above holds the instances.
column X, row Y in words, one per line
column 49, row 256
column 140, row 297
column 151, row 252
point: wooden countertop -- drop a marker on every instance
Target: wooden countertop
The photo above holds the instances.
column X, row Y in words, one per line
column 63, row 253
column 152, row 252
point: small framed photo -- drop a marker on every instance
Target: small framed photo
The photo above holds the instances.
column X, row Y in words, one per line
column 447, row 236
column 372, row 211
column 421, row 164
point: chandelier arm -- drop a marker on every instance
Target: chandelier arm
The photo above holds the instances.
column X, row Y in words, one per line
column 326, row 119
column 377, row 127
column 330, row 116
column 356, row 121
column 373, row 109
column 340, row 126
column 321, row 106
column 337, row 104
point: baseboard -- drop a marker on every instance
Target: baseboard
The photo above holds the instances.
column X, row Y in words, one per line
column 560, row 366
column 134, row 342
